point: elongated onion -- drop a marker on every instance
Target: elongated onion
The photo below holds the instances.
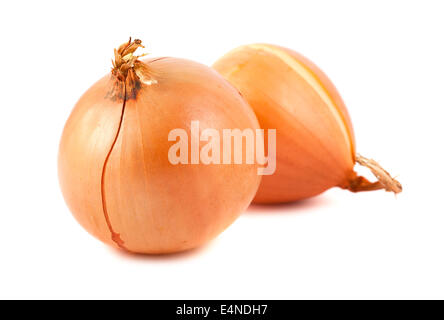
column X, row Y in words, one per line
column 315, row 139
column 114, row 169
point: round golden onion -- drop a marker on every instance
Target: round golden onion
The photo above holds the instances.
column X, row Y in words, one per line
column 315, row 139
column 113, row 161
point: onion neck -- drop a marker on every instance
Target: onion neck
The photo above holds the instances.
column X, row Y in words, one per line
column 384, row 179
column 129, row 70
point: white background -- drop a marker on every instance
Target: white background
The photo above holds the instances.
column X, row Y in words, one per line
column 385, row 57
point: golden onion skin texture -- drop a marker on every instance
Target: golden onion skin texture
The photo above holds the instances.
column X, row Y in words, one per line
column 113, row 162
column 315, row 139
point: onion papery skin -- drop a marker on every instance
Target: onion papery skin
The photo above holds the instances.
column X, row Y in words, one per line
column 113, row 162
column 315, row 139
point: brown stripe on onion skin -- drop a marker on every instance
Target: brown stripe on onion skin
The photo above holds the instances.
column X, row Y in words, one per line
column 114, row 235
column 86, row 140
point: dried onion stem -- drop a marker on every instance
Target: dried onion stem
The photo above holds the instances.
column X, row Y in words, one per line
column 384, row 178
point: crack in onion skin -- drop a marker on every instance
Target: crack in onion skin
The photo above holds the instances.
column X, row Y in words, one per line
column 154, row 206
column 314, row 133
column 87, row 138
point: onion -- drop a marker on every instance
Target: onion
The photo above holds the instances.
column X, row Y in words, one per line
column 114, row 169
column 315, row 139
